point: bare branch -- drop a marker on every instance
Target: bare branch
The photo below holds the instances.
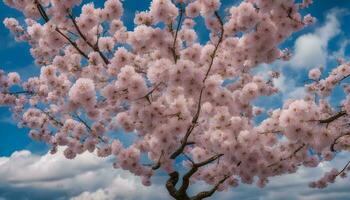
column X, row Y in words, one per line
column 74, row 44
column 344, row 168
column 335, row 142
column 290, row 156
column 87, row 126
column 25, row 92
column 333, row 117
column 52, row 118
column 194, row 169
column 173, row 49
column 345, row 77
column 209, row 193
column 171, row 183
column 147, row 96
column 216, row 46
column 82, row 121
column 290, row 12
column 158, row 164
column 41, row 11
column 190, row 143
column 189, row 129
column 189, row 158
column 270, row 131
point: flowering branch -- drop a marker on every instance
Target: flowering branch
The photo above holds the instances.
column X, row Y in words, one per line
column 333, row 118
column 173, row 49
column 50, row 116
column 46, row 18
column 209, row 193
column 289, row 157
column 196, row 116
column 94, row 47
column 335, row 142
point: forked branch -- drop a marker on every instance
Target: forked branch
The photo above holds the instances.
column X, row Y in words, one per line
column 47, row 19
column 181, row 148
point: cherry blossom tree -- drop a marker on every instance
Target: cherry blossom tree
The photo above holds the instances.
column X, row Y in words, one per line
column 191, row 105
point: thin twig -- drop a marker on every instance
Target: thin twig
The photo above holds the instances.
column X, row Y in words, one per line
column 209, row 193
column 176, row 34
column 50, row 116
column 289, row 157
column 47, row 19
column 344, row 168
column 332, row 147
column 94, row 47
column 333, row 117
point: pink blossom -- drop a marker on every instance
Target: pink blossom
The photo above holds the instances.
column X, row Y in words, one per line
column 178, row 98
column 83, row 92
column 314, row 74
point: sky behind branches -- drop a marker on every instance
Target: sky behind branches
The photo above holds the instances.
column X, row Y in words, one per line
column 27, row 172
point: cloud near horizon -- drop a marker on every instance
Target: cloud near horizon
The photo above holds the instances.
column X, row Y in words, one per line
column 29, row 176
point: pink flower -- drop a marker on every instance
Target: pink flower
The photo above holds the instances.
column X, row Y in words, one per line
column 83, row 92
column 315, row 74
column 13, row 78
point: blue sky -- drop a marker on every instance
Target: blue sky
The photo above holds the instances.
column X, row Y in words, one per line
column 93, row 177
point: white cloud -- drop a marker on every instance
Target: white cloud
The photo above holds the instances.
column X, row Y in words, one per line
column 126, row 188
column 310, row 50
column 91, row 178
column 23, row 167
column 340, row 53
column 288, row 88
column 56, row 177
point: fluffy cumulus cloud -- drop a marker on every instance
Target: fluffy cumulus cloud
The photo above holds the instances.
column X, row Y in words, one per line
column 124, row 187
column 310, row 50
column 288, row 88
column 287, row 84
column 341, row 53
column 28, row 176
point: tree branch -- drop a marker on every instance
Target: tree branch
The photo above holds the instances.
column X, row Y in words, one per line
column 171, row 183
column 217, row 45
column 94, row 47
column 19, row 93
column 179, row 150
column 344, row 168
column 271, row 131
column 50, row 116
column 290, row 156
column 336, row 141
column 147, row 96
column 88, row 127
column 333, row 118
column 47, row 19
column 189, row 129
column 194, row 169
column 158, row 164
column 209, row 193
column 173, row 49
column 82, row 121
